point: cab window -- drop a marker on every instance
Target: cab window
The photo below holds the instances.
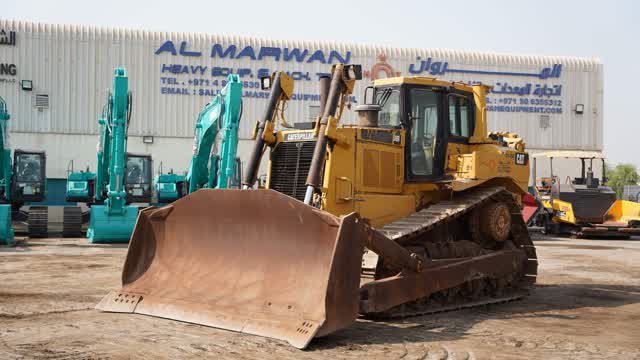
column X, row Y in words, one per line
column 29, row 168
column 389, row 116
column 460, row 124
column 424, row 130
column 137, row 170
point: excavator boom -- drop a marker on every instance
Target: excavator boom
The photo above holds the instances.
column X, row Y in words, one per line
column 209, row 167
column 112, row 219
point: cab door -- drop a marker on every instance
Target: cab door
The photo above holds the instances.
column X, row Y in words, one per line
column 426, row 142
column 29, row 176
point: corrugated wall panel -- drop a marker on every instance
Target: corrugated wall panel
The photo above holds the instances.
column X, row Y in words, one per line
column 74, row 66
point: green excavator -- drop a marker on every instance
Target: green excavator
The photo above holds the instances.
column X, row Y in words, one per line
column 121, row 180
column 22, row 181
column 209, row 168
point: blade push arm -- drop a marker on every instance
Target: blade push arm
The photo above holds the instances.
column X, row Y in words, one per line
column 281, row 86
column 343, row 79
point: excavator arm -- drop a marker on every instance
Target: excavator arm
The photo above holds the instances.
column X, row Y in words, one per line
column 209, row 168
column 5, row 159
column 113, row 221
column 221, row 116
column 6, row 232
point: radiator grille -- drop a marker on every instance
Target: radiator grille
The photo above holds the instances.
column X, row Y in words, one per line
column 290, row 162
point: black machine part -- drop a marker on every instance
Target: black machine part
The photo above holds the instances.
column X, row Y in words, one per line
column 29, row 176
column 137, row 181
column 250, row 175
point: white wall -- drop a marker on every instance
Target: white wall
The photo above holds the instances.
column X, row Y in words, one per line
column 74, row 66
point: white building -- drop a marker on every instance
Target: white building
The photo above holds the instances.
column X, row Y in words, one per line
column 552, row 102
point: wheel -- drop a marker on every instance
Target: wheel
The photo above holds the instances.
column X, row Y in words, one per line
column 490, row 224
column 496, row 221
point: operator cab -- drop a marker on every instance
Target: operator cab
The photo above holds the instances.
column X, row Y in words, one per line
column 137, row 180
column 586, row 180
column 553, row 186
column 29, row 175
column 433, row 114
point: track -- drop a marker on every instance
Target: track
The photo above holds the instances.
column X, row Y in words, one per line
column 37, row 222
column 441, row 232
column 72, row 222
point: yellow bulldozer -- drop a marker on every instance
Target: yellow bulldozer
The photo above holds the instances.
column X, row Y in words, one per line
column 414, row 209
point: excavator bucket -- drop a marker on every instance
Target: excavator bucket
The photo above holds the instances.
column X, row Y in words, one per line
column 111, row 228
column 253, row 261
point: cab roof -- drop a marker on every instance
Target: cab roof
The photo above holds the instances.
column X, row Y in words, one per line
column 421, row 80
column 572, row 154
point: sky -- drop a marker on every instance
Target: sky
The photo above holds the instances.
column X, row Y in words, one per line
column 608, row 30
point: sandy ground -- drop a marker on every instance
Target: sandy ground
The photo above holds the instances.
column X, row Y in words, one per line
column 586, row 306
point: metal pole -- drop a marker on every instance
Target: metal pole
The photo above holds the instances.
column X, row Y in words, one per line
column 253, row 165
column 534, row 170
column 335, row 91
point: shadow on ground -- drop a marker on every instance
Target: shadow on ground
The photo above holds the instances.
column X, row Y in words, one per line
column 544, row 302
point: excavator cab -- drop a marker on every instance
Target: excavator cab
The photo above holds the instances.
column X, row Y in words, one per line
column 138, row 181
column 81, row 185
column 29, row 180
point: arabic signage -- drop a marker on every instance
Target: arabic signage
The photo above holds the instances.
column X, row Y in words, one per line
column 535, row 91
column 7, row 37
column 6, row 69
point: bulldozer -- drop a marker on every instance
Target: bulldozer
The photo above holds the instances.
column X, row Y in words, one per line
column 414, row 209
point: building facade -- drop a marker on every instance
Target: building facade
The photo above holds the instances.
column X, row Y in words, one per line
column 55, row 79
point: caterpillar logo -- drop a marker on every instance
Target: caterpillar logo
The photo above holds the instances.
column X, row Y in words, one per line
column 301, row 136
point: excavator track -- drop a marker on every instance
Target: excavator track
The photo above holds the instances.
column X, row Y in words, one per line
column 431, row 227
column 37, row 222
column 72, row 221
column 409, row 312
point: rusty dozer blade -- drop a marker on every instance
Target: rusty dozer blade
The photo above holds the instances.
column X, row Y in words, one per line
column 253, row 261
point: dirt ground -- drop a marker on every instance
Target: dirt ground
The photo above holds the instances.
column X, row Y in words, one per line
column 586, row 306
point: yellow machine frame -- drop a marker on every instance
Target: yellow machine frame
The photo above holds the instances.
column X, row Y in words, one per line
column 365, row 170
